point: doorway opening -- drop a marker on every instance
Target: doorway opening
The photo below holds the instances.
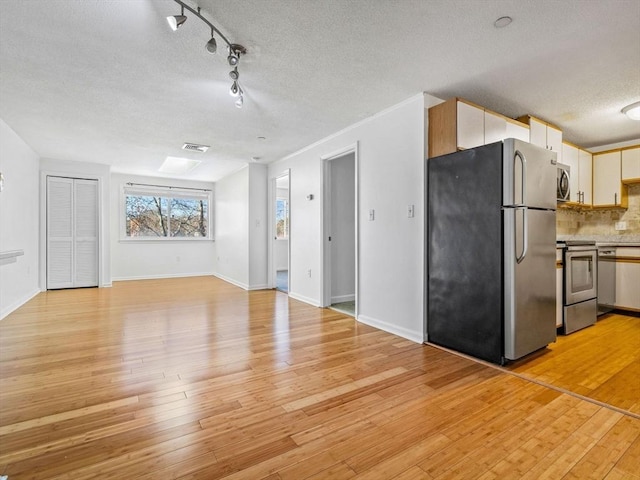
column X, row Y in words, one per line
column 280, row 227
column 340, row 232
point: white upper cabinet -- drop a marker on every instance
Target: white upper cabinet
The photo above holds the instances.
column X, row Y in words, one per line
column 517, row 130
column 631, row 165
column 570, row 158
column 544, row 135
column 580, row 174
column 554, row 141
column 495, row 127
column 470, row 126
column 585, row 183
column 459, row 125
column 607, row 185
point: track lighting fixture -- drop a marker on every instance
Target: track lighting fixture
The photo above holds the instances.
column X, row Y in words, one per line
column 234, row 91
column 212, row 45
column 235, row 51
column 175, row 21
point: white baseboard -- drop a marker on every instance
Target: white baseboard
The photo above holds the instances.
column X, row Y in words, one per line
column 18, row 303
column 304, row 299
column 156, row 277
column 243, row 286
column 343, row 298
column 414, row 336
column 264, row 286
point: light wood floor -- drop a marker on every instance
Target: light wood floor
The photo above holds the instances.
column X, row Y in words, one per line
column 601, row 362
column 197, row 379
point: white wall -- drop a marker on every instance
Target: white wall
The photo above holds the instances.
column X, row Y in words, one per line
column 258, row 226
column 343, row 234
column 153, row 259
column 242, row 228
column 19, row 224
column 391, row 176
column 232, row 228
column 86, row 170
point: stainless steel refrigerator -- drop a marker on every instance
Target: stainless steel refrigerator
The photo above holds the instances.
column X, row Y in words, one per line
column 491, row 246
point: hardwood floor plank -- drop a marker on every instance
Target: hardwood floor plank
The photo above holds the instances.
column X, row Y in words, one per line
column 195, row 378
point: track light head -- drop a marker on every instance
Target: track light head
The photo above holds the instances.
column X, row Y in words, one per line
column 234, row 91
column 234, row 74
column 212, row 46
column 235, row 50
column 240, row 101
column 175, row 21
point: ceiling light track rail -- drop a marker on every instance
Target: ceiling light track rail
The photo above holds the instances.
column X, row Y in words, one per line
column 197, row 13
column 166, row 187
column 235, row 50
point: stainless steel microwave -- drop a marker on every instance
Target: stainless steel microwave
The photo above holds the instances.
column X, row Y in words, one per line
column 563, row 190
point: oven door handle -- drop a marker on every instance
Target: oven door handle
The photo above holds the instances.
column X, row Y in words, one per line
column 525, row 235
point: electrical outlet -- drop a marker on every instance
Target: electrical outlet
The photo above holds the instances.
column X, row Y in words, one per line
column 621, row 226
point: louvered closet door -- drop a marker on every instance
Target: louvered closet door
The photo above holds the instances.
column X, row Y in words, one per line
column 72, row 233
column 86, row 233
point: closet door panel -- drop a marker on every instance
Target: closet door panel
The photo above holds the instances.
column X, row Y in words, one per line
column 86, row 233
column 59, row 232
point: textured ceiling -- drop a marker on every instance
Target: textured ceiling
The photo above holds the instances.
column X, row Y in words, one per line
column 107, row 81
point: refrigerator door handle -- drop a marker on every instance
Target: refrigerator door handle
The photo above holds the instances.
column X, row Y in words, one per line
column 525, row 235
column 523, row 162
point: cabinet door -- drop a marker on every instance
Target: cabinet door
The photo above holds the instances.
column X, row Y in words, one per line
column 470, row 126
column 627, row 281
column 495, row 128
column 538, row 133
column 554, row 141
column 570, row 158
column 586, row 176
column 606, row 178
column 514, row 130
column 559, row 290
column 631, row 164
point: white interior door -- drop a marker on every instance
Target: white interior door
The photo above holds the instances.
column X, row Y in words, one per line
column 72, row 233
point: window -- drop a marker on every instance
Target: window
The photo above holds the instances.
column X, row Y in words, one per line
column 166, row 213
column 282, row 218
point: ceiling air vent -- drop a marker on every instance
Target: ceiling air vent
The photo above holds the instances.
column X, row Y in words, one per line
column 194, row 147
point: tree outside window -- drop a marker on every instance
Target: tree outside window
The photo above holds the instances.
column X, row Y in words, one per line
column 156, row 216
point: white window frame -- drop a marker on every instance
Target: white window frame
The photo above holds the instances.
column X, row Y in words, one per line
column 166, row 192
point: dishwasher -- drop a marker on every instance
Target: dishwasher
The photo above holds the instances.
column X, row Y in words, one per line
column 606, row 279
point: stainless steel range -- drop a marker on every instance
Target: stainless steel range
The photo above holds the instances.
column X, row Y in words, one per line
column 580, row 292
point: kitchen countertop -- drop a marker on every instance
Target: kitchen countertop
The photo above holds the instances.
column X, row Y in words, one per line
column 606, row 240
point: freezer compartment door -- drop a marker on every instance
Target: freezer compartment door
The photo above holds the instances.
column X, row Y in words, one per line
column 529, row 175
column 464, row 252
column 530, row 280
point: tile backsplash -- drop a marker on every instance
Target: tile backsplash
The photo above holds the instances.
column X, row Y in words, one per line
column 601, row 222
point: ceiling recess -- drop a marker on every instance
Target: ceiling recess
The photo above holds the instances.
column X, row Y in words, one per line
column 194, row 147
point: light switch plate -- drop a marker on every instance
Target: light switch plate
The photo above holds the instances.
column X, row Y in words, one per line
column 410, row 211
column 372, row 215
